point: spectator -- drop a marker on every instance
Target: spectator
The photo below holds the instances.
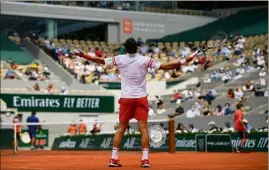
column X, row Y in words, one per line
column 218, row 111
column 50, row 89
column 231, row 94
column 179, row 111
column 139, row 42
column 193, row 112
column 206, row 79
column 186, row 51
column 158, row 101
column 36, row 87
column 248, row 87
column 228, row 127
column 247, row 125
column 143, row 49
column 63, row 91
column 72, row 129
column 32, row 129
column 161, row 108
column 263, row 72
column 226, row 77
column 181, row 128
column 227, row 109
column 46, row 72
column 10, row 74
column 238, row 94
column 211, row 95
column 126, row 5
column 96, row 127
column 82, row 127
column 213, row 127
column 238, row 49
column 192, row 129
column 156, row 49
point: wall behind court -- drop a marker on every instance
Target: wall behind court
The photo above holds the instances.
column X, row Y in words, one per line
column 129, row 23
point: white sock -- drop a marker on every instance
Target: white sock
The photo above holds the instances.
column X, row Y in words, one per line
column 145, row 154
column 115, row 153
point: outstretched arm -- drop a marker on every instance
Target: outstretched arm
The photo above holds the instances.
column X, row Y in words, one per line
column 94, row 59
column 177, row 64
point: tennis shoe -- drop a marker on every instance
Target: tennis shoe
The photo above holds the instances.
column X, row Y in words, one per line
column 114, row 163
column 145, row 163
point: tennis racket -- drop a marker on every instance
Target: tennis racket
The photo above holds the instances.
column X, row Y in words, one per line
column 25, row 137
column 217, row 39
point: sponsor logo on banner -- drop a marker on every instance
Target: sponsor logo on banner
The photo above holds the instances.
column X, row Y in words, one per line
column 67, row 144
column 157, row 136
column 59, row 103
column 252, row 143
column 107, row 143
column 201, row 144
column 148, row 27
column 185, row 143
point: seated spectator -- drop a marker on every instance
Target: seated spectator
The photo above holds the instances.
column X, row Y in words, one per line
column 238, row 94
column 259, row 86
column 50, row 89
column 193, row 112
column 82, row 127
column 72, row 129
column 156, row 49
column 248, row 87
column 237, row 76
column 179, row 111
column 263, row 72
column 161, row 109
column 214, row 75
column 226, row 77
column 96, row 127
column 181, row 128
column 231, row 94
column 46, row 72
column 175, row 97
column 125, row 5
column 213, row 127
column 211, row 95
column 36, row 87
column 238, row 49
column 63, row 91
column 218, row 111
column 228, row 127
column 34, row 75
column 139, row 42
column 186, row 51
column 192, row 129
column 10, row 74
column 240, row 61
column 207, row 111
column 186, row 94
column 143, row 49
column 206, row 79
column 227, row 109
column 260, row 62
column 250, row 69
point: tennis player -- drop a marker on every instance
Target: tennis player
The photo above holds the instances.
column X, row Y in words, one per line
column 240, row 126
column 133, row 102
column 18, row 132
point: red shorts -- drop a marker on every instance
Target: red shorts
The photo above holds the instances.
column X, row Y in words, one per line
column 133, row 108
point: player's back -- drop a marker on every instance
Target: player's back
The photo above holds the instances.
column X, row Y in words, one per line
column 133, row 70
column 238, row 116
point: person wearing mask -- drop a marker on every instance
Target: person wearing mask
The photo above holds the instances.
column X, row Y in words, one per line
column 227, row 109
column 219, row 111
column 32, row 129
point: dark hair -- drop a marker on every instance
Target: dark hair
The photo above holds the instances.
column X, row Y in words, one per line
column 191, row 126
column 130, row 45
column 239, row 106
column 33, row 113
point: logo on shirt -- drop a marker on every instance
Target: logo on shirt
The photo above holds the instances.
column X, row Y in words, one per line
column 157, row 136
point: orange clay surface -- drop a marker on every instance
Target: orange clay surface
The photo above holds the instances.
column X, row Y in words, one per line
column 98, row 160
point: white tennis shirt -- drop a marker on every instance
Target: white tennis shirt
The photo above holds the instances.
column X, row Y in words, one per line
column 133, row 69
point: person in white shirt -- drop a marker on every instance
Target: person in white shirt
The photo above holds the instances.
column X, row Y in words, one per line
column 238, row 94
column 133, row 101
column 151, row 111
column 193, row 112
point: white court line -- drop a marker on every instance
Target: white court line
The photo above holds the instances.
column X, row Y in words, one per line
column 26, row 168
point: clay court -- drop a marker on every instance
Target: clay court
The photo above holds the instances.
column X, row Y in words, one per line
column 98, row 160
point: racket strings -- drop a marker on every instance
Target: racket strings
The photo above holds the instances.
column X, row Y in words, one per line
column 216, row 40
